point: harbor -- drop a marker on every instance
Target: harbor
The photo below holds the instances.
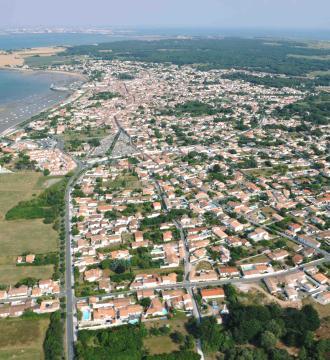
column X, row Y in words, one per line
column 25, row 94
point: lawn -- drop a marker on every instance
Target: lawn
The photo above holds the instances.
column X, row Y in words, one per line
column 11, row 274
column 22, row 338
column 164, row 344
column 160, row 344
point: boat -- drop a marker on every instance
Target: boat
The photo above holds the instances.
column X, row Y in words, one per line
column 58, row 88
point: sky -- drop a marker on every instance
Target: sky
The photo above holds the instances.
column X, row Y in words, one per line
column 278, row 14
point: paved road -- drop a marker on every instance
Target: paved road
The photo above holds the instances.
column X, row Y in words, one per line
column 71, row 318
column 71, row 315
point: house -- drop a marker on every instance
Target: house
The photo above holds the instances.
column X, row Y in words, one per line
column 120, row 255
column 138, row 235
column 157, row 206
column 278, row 255
column 145, row 293
column 104, row 314
column 167, row 236
column 229, row 271
column 234, row 225
column 291, row 293
column 271, row 284
column 258, row 235
column 210, row 294
column 324, row 298
column 294, row 227
column 320, row 278
column 93, row 275
column 156, row 308
column 30, row 258
column 219, row 233
column 3, row 294
column 129, row 311
column 309, row 241
column 21, row 291
column 297, row 259
column 49, row 306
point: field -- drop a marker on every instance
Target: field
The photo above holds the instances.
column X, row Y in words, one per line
column 19, row 236
column 164, row 344
column 126, row 181
column 22, row 339
column 11, row 274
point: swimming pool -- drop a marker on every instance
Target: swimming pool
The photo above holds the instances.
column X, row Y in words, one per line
column 86, row 315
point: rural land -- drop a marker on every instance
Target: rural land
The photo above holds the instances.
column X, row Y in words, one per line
column 175, row 206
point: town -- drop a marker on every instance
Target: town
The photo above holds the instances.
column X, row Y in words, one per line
column 186, row 182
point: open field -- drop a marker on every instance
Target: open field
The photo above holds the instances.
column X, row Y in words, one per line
column 126, row 181
column 22, row 338
column 160, row 344
column 164, row 344
column 18, row 186
column 11, row 274
column 19, row 236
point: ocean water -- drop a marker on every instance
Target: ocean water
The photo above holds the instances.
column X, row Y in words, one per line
column 19, row 41
column 24, row 94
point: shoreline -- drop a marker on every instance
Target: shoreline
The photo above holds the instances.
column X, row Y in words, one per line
column 77, row 75
column 29, row 70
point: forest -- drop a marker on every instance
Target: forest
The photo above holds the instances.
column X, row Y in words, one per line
column 280, row 56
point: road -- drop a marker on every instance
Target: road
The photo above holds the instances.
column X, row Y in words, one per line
column 71, row 316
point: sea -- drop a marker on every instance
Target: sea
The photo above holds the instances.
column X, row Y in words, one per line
column 27, row 93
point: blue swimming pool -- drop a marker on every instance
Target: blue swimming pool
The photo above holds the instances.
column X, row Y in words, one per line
column 86, row 315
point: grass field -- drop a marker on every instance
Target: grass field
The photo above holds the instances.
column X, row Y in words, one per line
column 19, row 236
column 17, row 187
column 164, row 344
column 11, row 274
column 22, row 338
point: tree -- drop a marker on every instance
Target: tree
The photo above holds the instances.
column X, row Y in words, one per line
column 46, row 172
column 177, row 337
column 145, row 302
column 276, row 327
column 267, row 340
column 312, row 317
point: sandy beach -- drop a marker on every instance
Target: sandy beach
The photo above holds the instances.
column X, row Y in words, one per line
column 16, row 58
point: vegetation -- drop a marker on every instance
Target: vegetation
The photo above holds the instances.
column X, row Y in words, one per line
column 104, row 95
column 47, row 205
column 22, row 338
column 125, row 343
column 263, row 327
column 253, row 54
column 53, row 344
column 314, row 109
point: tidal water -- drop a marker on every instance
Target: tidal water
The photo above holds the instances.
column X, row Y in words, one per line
column 24, row 94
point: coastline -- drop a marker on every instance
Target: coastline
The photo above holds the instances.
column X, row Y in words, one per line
column 56, row 103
